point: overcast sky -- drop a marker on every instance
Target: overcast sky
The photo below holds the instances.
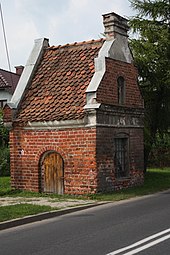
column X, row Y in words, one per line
column 62, row 21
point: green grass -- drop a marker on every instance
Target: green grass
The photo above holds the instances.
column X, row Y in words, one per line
column 20, row 210
column 4, row 185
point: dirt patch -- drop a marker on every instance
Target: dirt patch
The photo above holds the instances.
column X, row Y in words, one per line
column 44, row 201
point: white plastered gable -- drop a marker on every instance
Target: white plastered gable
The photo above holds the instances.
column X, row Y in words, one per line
column 117, row 49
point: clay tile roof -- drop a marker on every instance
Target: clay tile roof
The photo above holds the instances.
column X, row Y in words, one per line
column 8, row 80
column 57, row 91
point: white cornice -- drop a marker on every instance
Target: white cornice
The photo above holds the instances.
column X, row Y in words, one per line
column 56, row 124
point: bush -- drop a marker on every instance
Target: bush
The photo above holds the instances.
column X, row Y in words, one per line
column 4, row 161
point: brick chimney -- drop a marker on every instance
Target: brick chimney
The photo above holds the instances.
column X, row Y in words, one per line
column 115, row 25
column 19, row 69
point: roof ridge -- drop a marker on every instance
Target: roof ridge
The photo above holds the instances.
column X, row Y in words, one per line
column 9, row 72
column 77, row 43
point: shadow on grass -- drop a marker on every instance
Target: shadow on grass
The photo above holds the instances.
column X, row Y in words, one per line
column 10, row 192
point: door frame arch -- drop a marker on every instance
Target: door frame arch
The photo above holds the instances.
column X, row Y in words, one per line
column 60, row 180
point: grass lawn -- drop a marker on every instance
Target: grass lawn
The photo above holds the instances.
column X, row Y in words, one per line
column 20, row 210
column 5, row 187
column 155, row 180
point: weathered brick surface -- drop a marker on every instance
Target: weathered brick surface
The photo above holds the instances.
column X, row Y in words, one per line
column 86, row 169
column 76, row 146
column 107, row 92
column 105, row 158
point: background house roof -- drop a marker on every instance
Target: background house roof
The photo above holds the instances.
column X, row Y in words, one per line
column 8, row 80
column 57, row 91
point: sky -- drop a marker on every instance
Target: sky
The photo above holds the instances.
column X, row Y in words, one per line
column 61, row 21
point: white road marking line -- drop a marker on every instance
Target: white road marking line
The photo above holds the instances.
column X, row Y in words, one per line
column 146, row 246
column 139, row 242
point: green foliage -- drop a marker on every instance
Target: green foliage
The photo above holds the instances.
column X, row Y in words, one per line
column 4, row 133
column 151, row 50
column 4, row 161
column 160, row 153
column 4, row 150
column 5, row 187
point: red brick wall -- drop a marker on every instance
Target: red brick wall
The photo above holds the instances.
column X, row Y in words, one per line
column 7, row 114
column 105, row 158
column 82, row 173
column 107, row 92
column 76, row 146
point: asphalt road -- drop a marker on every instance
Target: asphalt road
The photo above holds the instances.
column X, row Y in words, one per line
column 139, row 226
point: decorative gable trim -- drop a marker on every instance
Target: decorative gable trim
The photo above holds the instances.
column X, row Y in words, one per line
column 117, row 49
column 100, row 69
column 28, row 71
column 100, row 66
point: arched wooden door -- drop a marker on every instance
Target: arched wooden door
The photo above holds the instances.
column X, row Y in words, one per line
column 53, row 172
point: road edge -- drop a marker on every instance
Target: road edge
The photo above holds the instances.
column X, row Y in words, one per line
column 46, row 215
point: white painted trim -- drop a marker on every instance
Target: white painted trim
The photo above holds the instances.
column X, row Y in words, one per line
column 92, row 106
column 100, row 66
column 104, row 51
column 28, row 71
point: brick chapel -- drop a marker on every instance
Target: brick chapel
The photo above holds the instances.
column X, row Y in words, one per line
column 76, row 117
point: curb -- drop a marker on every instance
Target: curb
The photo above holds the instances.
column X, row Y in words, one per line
column 44, row 216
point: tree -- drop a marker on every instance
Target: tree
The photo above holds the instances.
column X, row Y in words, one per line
column 151, row 50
